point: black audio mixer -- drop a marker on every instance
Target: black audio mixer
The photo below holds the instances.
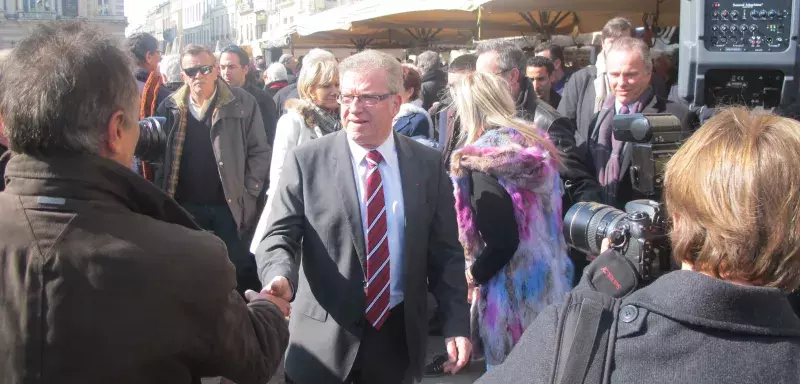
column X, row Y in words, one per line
column 739, row 26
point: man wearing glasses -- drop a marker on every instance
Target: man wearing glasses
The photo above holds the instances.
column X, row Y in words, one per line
column 217, row 157
column 362, row 219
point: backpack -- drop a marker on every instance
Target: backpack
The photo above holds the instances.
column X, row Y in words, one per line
column 591, row 312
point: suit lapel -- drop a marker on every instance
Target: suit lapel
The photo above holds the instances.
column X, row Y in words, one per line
column 410, row 179
column 346, row 186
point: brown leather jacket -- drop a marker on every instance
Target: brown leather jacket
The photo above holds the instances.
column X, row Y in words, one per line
column 105, row 279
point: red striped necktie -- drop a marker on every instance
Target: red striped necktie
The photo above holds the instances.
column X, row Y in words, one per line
column 377, row 245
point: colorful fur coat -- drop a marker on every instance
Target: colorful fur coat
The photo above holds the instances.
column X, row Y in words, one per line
column 539, row 273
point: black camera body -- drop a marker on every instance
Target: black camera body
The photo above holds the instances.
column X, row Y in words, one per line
column 652, row 140
column 639, row 234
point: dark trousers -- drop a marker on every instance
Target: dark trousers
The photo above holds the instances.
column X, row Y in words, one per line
column 219, row 220
column 382, row 357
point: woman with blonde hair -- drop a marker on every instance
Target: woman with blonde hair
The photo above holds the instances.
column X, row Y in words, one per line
column 508, row 200
column 313, row 115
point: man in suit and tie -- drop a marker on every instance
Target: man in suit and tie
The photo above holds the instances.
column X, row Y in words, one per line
column 372, row 214
column 629, row 68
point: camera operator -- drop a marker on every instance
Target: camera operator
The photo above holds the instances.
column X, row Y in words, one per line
column 105, row 278
column 629, row 69
column 730, row 193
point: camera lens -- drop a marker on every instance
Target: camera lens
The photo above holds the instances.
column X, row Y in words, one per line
column 152, row 139
column 587, row 224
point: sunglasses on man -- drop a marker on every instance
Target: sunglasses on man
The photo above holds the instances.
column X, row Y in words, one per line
column 192, row 72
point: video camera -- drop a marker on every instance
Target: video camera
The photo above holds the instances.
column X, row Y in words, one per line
column 653, row 139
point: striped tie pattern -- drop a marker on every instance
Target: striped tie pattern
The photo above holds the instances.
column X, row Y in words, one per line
column 377, row 245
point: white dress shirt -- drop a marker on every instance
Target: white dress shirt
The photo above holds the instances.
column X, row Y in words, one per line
column 197, row 110
column 395, row 213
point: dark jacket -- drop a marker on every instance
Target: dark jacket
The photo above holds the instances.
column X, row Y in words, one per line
column 269, row 113
column 656, row 104
column 578, row 98
column 3, row 162
column 272, row 88
column 555, row 99
column 284, row 95
column 686, row 328
column 240, row 147
column 433, row 83
column 413, row 121
column 580, row 184
column 105, row 279
column 142, row 74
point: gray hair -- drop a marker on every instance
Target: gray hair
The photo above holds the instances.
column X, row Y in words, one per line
column 369, row 60
column 617, row 27
column 57, row 104
column 170, row 66
column 429, row 61
column 509, row 54
column 285, row 58
column 631, row 44
column 317, row 54
column 277, row 72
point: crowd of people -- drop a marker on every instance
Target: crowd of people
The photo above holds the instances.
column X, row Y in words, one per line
column 348, row 195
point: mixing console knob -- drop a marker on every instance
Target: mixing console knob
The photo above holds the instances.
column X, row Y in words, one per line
column 754, row 14
column 723, row 28
column 714, row 28
column 763, row 13
column 753, row 28
column 734, row 15
column 743, row 28
column 772, row 14
column 724, row 14
column 715, row 14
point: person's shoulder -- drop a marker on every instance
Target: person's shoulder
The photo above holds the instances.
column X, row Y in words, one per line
column 584, row 74
column 319, row 149
column 419, row 150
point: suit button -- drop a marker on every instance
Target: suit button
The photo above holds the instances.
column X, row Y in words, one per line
column 220, row 163
column 628, row 313
column 230, row 201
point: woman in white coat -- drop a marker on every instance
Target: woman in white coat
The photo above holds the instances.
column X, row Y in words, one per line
column 314, row 115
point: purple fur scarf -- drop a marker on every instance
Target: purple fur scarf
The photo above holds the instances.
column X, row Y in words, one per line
column 539, row 273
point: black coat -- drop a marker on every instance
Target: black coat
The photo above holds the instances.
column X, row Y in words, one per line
column 268, row 111
column 688, row 328
column 433, row 85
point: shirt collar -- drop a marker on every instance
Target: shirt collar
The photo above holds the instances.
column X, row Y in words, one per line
column 205, row 103
column 387, row 150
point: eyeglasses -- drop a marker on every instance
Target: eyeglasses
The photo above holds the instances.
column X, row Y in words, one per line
column 192, row 72
column 368, row 100
column 502, row 72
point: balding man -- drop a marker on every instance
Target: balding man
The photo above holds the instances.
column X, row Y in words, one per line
column 372, row 214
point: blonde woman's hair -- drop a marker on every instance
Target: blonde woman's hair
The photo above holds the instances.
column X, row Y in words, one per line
column 732, row 191
column 319, row 73
column 483, row 102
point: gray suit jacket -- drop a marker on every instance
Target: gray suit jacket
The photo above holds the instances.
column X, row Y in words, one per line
column 316, row 210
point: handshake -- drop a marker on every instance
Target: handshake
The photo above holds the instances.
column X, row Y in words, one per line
column 278, row 291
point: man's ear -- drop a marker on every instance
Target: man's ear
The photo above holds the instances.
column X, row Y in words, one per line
column 115, row 130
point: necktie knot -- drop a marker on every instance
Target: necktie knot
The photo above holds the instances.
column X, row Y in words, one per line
column 374, row 157
column 623, row 110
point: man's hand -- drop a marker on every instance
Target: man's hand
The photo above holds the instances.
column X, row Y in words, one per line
column 458, row 352
column 279, row 286
column 282, row 304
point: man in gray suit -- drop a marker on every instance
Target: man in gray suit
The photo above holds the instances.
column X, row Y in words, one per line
column 372, row 214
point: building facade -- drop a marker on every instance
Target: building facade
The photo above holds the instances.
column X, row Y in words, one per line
column 18, row 17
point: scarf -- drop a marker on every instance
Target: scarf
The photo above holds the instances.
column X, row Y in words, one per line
column 540, row 272
column 601, row 87
column 606, row 150
column 147, row 108
column 326, row 122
